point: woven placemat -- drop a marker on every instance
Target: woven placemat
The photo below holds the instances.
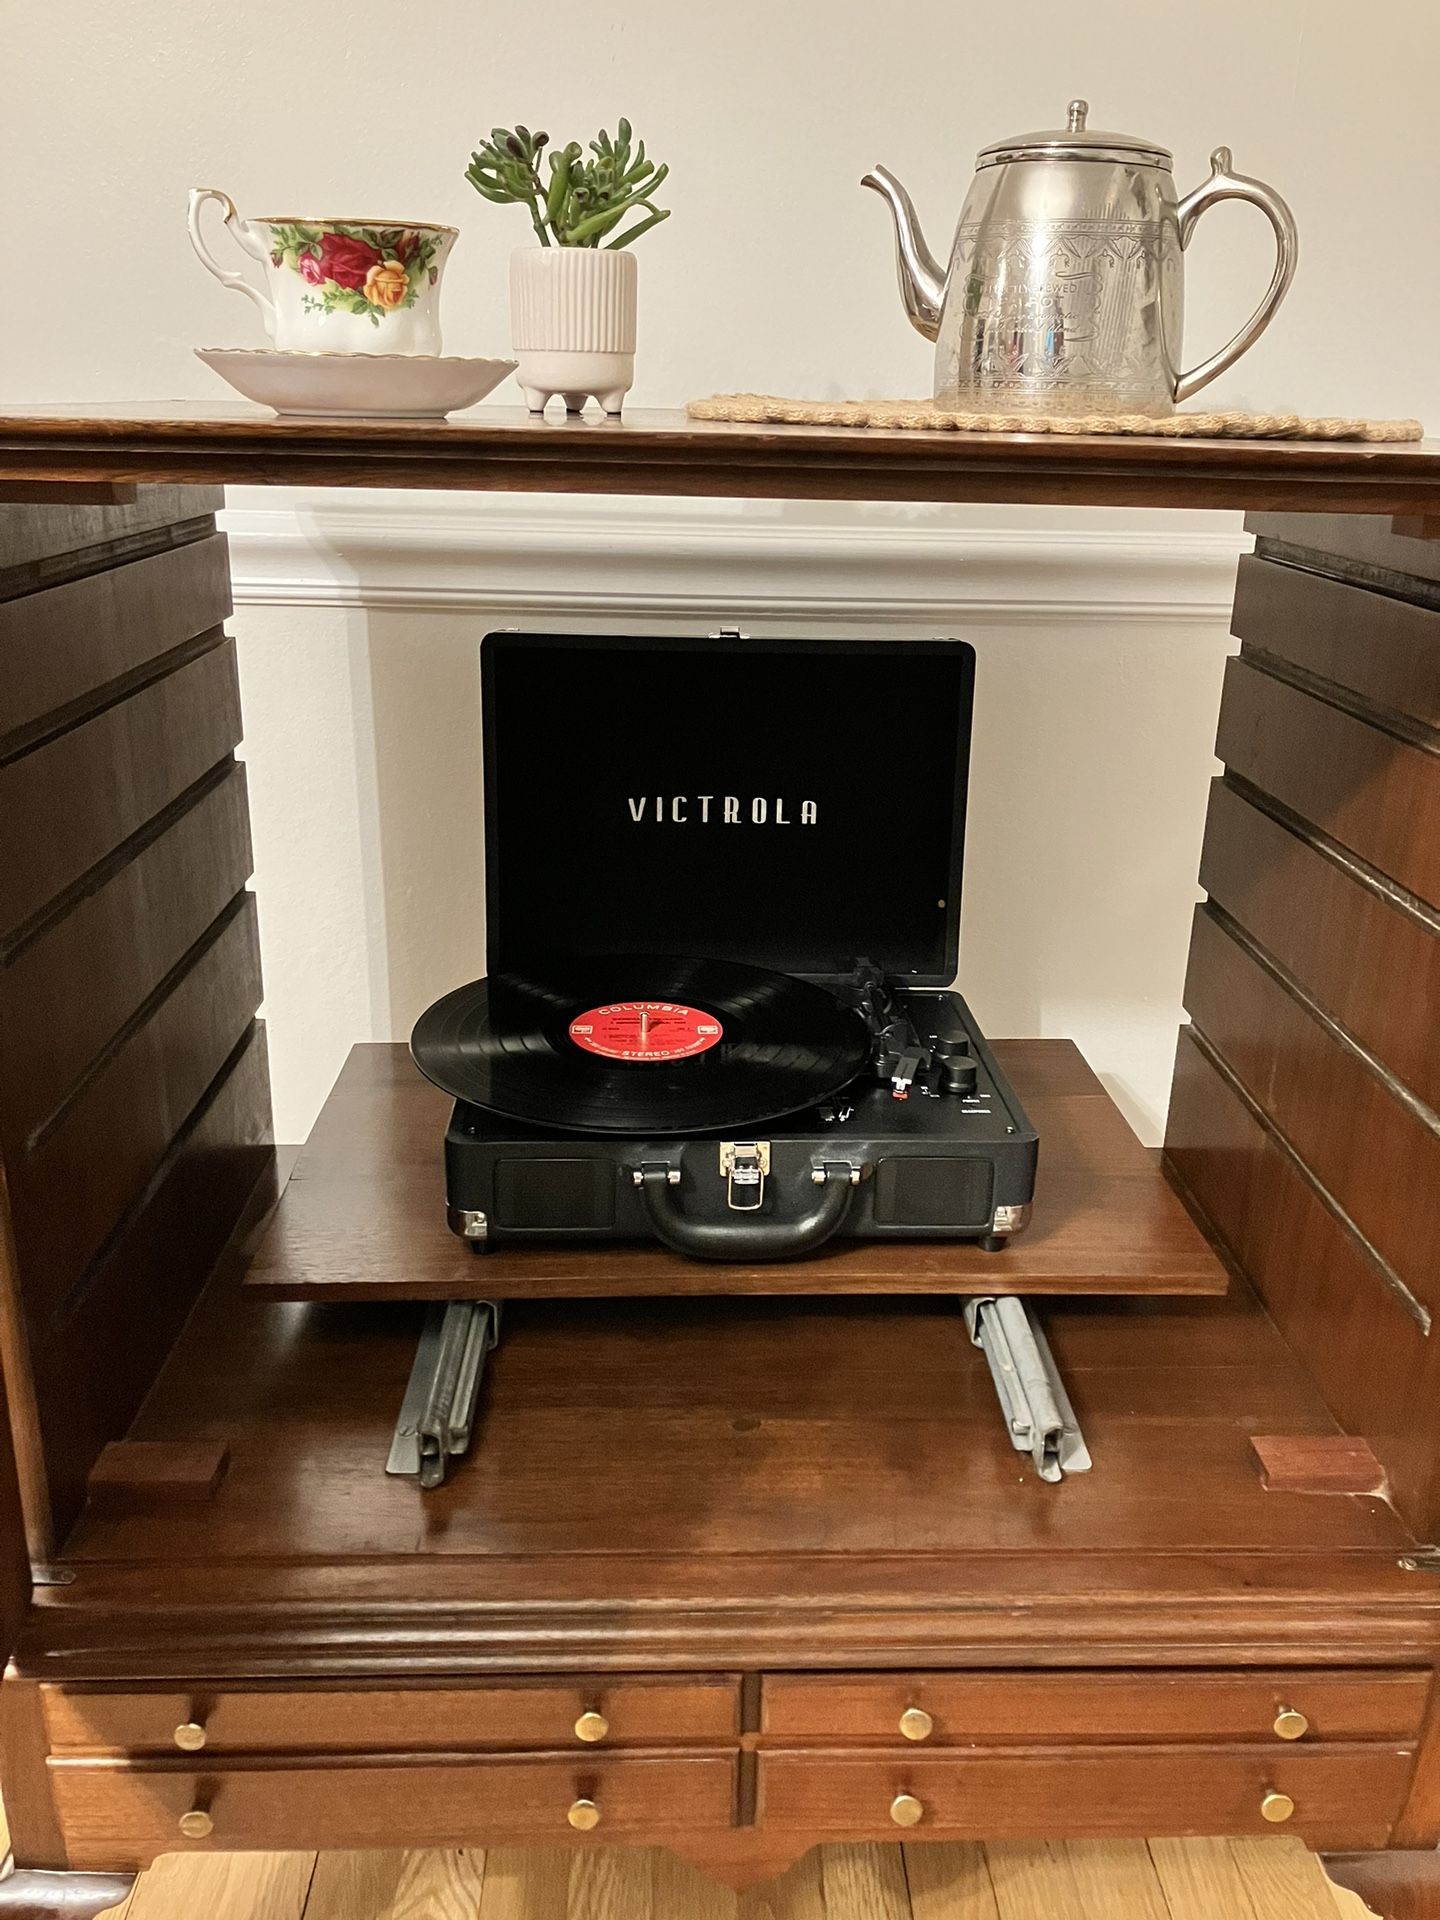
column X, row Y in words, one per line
column 761, row 409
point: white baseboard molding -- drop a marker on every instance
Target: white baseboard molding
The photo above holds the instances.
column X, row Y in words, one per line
column 715, row 562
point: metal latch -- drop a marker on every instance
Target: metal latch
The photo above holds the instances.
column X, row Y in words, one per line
column 744, row 1165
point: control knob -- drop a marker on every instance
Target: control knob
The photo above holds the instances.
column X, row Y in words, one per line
column 958, row 1072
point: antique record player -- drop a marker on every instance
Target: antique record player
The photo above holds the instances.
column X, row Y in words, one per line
column 722, row 890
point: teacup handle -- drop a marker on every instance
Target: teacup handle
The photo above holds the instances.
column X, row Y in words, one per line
column 243, row 236
column 1225, row 185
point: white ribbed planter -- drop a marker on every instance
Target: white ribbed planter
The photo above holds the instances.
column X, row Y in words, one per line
column 572, row 319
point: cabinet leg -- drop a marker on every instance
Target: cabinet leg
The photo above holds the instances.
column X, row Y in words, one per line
column 1399, row 1885
column 32, row 1894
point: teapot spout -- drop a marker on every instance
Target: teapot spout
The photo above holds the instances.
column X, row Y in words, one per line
column 922, row 284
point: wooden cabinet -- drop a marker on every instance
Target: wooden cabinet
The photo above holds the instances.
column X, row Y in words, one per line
column 737, row 1574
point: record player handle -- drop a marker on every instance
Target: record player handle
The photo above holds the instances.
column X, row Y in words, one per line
column 747, row 1236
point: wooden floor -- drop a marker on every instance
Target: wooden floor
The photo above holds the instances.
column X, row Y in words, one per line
column 1270, row 1879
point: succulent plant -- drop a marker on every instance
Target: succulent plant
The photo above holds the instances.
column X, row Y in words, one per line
column 587, row 194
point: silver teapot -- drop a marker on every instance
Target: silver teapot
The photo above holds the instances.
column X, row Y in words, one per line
column 1064, row 293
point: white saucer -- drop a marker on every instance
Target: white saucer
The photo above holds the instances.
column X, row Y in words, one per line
column 374, row 386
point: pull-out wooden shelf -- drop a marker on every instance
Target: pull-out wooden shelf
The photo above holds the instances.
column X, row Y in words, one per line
column 364, row 1218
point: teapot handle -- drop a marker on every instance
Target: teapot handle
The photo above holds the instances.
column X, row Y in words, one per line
column 244, row 237
column 1225, row 185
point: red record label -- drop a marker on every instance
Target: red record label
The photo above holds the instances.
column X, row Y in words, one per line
column 646, row 1030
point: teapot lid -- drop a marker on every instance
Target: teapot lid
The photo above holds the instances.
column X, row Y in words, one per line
column 1076, row 141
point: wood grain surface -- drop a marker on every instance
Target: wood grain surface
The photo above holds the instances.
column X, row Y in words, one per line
column 1366, row 1352
column 1273, row 1878
column 1028, row 1707
column 1344, row 1796
column 1375, row 793
column 62, row 645
column 66, row 1198
column 1379, row 552
column 75, row 799
column 66, row 536
column 1304, row 1119
column 1336, row 929
column 364, row 1217
column 664, row 452
column 133, row 1097
column 518, row 1714
column 731, row 1485
column 655, row 1488
column 1376, row 1155
column 58, row 1010
column 1377, row 645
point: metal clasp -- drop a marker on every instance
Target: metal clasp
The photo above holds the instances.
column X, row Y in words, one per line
column 744, row 1165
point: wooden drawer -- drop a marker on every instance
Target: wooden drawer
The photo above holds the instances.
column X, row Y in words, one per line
column 539, row 1714
column 114, row 1816
column 990, row 1709
column 1343, row 1796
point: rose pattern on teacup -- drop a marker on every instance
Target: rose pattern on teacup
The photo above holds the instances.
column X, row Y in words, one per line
column 370, row 271
column 335, row 285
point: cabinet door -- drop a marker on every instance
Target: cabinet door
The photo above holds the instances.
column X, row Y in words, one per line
column 134, row 1110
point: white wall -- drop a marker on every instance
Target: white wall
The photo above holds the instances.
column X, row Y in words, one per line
column 1101, row 635
column 775, row 268
column 1099, row 662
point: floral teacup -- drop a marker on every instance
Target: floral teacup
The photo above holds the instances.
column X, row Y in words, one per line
column 338, row 286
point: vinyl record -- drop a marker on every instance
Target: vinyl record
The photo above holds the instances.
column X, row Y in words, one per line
column 642, row 1045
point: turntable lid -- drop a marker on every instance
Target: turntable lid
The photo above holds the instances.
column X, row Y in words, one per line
column 795, row 804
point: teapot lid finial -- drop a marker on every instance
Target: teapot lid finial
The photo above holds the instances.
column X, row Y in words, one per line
column 1076, row 141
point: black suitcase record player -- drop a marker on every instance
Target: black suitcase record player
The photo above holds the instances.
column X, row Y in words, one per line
column 722, row 882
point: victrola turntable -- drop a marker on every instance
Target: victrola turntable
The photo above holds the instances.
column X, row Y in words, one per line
column 723, row 889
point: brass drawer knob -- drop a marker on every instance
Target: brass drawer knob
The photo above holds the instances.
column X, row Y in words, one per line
column 190, row 1736
column 906, row 1810
column 1291, row 1725
column 584, row 1816
column 916, row 1724
column 197, row 1824
column 591, row 1726
column 1276, row 1807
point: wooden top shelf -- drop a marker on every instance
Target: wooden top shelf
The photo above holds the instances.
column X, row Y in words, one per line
column 506, row 450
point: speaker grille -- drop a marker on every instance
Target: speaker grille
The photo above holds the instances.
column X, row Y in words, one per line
column 912, row 1192
column 554, row 1193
